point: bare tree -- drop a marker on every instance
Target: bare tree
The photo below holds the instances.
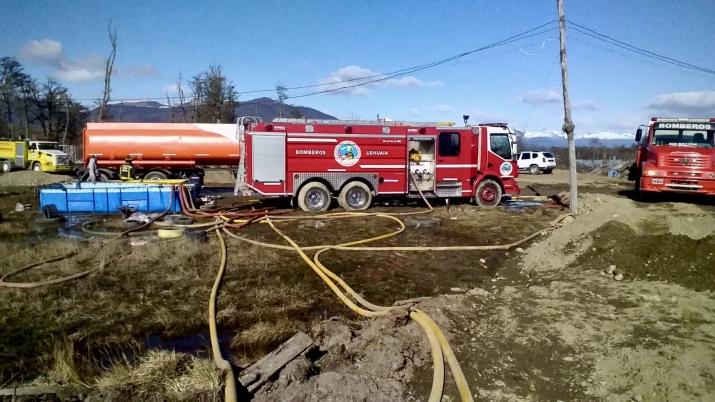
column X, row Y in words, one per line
column 11, row 78
column 281, row 91
column 182, row 98
column 108, row 73
column 520, row 140
column 171, row 107
column 215, row 97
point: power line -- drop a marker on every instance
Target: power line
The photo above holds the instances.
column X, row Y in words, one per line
column 381, row 77
column 615, row 42
column 631, row 57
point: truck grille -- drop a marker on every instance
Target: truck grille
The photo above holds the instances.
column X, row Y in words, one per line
column 685, row 161
column 61, row 160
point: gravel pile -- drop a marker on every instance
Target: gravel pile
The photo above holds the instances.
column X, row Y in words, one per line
column 31, row 178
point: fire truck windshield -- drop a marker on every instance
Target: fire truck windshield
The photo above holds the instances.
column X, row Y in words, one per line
column 500, row 145
column 683, row 138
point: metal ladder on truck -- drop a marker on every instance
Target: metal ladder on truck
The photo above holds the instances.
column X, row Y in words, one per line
column 241, row 186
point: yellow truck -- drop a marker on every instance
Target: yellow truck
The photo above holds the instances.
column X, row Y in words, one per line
column 38, row 155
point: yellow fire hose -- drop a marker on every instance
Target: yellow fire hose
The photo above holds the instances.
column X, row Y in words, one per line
column 438, row 342
column 434, row 334
column 230, row 393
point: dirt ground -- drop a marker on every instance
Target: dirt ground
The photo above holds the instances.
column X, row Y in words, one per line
column 543, row 322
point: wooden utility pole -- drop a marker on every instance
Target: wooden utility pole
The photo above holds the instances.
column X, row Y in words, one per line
column 568, row 126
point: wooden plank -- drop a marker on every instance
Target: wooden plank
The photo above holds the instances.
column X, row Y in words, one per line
column 66, row 391
column 255, row 376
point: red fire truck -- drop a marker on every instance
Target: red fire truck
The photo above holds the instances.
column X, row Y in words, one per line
column 675, row 155
column 313, row 161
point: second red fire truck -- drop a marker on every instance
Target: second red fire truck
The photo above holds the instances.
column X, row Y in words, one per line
column 314, row 161
column 675, row 155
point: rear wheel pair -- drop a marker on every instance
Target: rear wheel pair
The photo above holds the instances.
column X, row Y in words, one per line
column 315, row 197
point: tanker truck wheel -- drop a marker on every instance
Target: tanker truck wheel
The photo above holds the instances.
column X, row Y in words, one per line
column 314, row 197
column 355, row 196
column 488, row 194
column 156, row 175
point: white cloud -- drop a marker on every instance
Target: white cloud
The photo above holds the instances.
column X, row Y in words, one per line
column 586, row 105
column 481, row 116
column 50, row 53
column 537, row 97
column 355, row 80
column 170, row 89
column 685, row 104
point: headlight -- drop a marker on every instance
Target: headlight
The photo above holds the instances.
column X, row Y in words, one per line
column 651, row 172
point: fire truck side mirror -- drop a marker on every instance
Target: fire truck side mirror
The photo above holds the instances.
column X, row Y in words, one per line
column 639, row 134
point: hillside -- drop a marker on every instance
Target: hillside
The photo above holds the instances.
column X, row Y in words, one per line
column 155, row 112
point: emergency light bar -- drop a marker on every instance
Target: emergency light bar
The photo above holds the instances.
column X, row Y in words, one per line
column 683, row 119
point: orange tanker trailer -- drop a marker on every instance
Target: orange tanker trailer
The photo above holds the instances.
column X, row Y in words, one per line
column 161, row 150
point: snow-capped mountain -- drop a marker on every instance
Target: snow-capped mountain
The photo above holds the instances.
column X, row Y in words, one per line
column 557, row 138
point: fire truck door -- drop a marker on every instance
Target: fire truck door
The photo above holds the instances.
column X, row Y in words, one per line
column 449, row 164
column 268, row 157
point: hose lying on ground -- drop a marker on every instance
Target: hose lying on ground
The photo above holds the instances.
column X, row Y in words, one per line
column 32, row 285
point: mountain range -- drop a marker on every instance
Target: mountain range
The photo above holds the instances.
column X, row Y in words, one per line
column 268, row 109
column 155, row 112
column 554, row 138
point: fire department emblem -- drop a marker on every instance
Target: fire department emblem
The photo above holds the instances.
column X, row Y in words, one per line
column 685, row 161
column 505, row 169
column 347, row 153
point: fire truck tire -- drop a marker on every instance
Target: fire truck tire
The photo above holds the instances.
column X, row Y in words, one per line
column 534, row 169
column 314, row 197
column 356, row 196
column 488, row 193
column 156, row 175
column 37, row 167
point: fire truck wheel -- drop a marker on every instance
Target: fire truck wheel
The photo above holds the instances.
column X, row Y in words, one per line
column 156, row 175
column 488, row 193
column 37, row 167
column 355, row 196
column 5, row 167
column 314, row 197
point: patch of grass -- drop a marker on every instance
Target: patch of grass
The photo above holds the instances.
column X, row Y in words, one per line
column 74, row 332
column 175, row 375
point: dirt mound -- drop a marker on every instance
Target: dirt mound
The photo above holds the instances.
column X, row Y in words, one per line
column 663, row 257
column 565, row 244
column 31, row 178
column 372, row 360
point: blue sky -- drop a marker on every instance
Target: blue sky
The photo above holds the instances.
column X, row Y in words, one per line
column 314, row 42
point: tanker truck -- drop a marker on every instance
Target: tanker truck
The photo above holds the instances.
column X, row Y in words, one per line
column 161, row 151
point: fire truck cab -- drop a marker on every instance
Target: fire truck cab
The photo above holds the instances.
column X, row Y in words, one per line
column 675, row 155
column 314, row 161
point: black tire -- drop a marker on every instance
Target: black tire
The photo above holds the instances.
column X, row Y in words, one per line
column 534, row 169
column 50, row 212
column 314, row 197
column 178, row 219
column 548, row 171
column 37, row 167
column 156, row 175
column 197, row 235
column 488, row 193
column 5, row 167
column 355, row 196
